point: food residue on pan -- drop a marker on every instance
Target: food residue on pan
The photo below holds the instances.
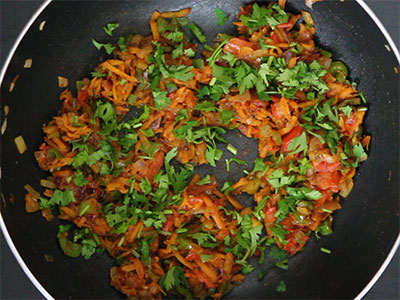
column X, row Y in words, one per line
column 41, row 25
column 4, row 126
column 13, row 83
column 20, row 143
column 62, row 82
column 28, row 63
column 48, row 258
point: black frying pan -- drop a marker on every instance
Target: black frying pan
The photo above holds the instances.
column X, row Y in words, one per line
column 365, row 230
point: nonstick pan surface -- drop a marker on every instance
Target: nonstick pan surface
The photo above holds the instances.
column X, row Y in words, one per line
column 364, row 230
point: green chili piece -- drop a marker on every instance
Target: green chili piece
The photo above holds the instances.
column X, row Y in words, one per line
column 69, row 248
column 339, row 70
column 325, row 228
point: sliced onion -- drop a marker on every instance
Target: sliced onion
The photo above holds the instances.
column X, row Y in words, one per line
column 20, row 143
column 4, row 126
column 310, row 3
column 32, row 191
column 47, row 183
column 325, row 61
column 28, row 63
column 62, row 82
column 307, row 17
column 13, row 82
column 41, row 26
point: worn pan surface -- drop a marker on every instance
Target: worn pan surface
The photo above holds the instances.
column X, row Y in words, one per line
column 365, row 230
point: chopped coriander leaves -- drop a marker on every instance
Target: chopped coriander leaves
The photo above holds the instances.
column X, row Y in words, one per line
column 259, row 166
column 221, row 16
column 347, row 111
column 145, row 185
column 189, row 52
column 327, row 251
column 227, row 116
column 173, row 278
column 281, row 288
column 195, row 29
column 362, row 97
column 358, row 151
column 98, row 74
column 110, row 27
column 205, row 180
column 277, row 179
column 161, row 99
column 298, row 144
column 231, row 149
column 236, row 160
column 108, row 47
column 122, row 44
column 178, row 51
column 261, row 16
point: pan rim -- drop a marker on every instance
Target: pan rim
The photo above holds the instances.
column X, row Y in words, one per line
column 3, row 226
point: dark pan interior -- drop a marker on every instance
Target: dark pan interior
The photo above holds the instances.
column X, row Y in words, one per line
column 364, row 230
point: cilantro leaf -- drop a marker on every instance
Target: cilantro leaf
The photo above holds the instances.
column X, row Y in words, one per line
column 145, row 186
column 122, row 44
column 206, row 106
column 227, row 116
column 189, row 52
column 230, row 58
column 347, row 110
column 181, row 72
column 277, row 254
column 178, row 51
column 175, row 36
column 98, row 74
column 277, row 179
column 221, row 16
column 177, row 180
column 259, row 166
column 261, row 16
column 358, row 151
column 281, row 288
column 205, row 239
column 79, row 179
column 61, row 198
column 205, row 180
column 173, row 278
column 195, row 29
column 212, row 154
column 298, row 144
column 161, row 100
column 110, row 27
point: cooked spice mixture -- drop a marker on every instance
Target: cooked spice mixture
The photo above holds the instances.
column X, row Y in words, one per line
column 128, row 185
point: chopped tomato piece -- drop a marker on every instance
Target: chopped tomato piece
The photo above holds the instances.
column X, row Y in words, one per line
column 325, row 167
column 155, row 165
column 235, row 45
column 82, row 95
column 328, row 180
column 295, row 245
column 192, row 256
column 269, row 215
column 168, row 224
column 287, row 25
column 275, row 38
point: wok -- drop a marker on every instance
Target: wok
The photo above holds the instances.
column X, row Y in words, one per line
column 365, row 230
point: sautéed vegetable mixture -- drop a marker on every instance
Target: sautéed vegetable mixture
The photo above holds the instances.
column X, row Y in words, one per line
column 128, row 185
